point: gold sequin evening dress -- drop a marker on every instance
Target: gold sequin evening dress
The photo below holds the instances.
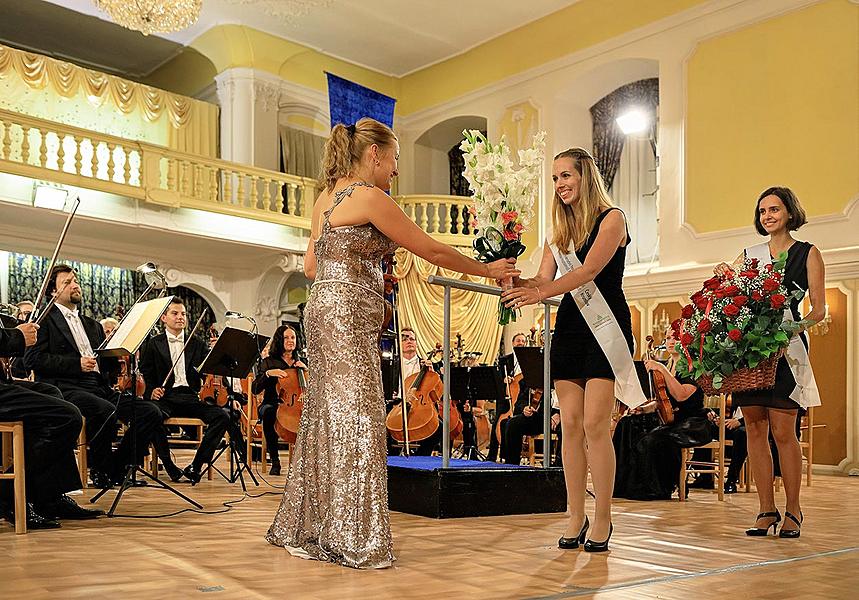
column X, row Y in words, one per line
column 335, row 505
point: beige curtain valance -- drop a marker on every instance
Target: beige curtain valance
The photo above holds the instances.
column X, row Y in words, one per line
column 473, row 315
column 193, row 124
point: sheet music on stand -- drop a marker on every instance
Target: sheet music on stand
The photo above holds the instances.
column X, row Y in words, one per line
column 134, row 328
column 234, row 354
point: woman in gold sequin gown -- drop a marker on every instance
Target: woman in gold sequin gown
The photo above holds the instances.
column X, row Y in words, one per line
column 335, row 505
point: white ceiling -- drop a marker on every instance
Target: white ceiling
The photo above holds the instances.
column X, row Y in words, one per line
column 395, row 37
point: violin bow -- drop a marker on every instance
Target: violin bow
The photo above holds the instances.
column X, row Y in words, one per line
column 187, row 341
column 44, row 287
column 399, row 354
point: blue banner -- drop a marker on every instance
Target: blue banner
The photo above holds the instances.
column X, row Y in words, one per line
column 349, row 102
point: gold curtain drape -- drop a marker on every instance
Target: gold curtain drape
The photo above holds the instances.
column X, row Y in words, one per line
column 421, row 307
column 193, row 123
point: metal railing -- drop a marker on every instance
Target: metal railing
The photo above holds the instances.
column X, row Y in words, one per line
column 480, row 288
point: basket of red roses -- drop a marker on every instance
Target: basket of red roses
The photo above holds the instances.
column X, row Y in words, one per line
column 733, row 332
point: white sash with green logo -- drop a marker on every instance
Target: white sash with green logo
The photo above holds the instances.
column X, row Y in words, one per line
column 604, row 326
column 805, row 393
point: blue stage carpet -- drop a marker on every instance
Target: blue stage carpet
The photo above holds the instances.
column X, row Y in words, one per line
column 433, row 463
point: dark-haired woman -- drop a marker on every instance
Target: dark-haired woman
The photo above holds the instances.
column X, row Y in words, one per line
column 335, row 505
column 777, row 213
column 282, row 355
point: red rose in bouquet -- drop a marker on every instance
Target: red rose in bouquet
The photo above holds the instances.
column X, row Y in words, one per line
column 771, row 284
column 736, row 322
column 777, row 300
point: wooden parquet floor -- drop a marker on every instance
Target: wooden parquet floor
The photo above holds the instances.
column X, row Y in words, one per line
column 659, row 550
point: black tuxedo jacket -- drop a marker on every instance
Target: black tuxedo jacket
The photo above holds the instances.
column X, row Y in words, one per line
column 55, row 357
column 155, row 363
column 11, row 342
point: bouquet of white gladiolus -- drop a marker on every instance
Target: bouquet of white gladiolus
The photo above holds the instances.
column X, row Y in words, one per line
column 504, row 198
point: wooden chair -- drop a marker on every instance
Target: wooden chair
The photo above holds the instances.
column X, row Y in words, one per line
column 716, row 467
column 530, row 450
column 13, row 452
column 806, row 444
column 82, row 454
column 180, row 421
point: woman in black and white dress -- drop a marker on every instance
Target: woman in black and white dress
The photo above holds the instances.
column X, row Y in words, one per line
column 588, row 246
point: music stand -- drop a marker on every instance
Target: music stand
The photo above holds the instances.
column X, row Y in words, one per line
column 530, row 360
column 233, row 355
column 473, row 384
column 130, row 334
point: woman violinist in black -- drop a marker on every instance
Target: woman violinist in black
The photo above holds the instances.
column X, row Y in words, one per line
column 649, row 454
column 282, row 355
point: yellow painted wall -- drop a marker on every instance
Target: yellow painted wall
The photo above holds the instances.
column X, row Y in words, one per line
column 776, row 103
column 576, row 27
column 579, row 26
column 189, row 73
column 229, row 46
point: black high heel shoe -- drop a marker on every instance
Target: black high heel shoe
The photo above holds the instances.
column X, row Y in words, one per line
column 791, row 533
column 592, row 546
column 763, row 531
column 571, row 543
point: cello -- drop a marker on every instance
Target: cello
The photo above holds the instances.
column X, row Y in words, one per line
column 290, row 389
column 422, row 402
column 212, row 389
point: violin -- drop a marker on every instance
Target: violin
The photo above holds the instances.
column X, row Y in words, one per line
column 123, row 380
column 512, row 394
column 659, row 387
column 290, row 389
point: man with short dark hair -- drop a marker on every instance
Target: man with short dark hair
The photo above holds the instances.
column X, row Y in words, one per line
column 64, row 356
column 179, row 397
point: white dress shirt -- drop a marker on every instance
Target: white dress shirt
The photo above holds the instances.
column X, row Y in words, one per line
column 411, row 366
column 78, row 332
column 176, row 344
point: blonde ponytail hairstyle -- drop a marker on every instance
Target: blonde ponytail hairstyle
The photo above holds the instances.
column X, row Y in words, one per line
column 346, row 145
column 573, row 223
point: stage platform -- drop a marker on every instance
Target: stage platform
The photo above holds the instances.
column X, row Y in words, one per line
column 418, row 485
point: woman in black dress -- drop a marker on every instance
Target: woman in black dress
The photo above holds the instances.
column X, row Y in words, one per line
column 778, row 212
column 282, row 355
column 584, row 221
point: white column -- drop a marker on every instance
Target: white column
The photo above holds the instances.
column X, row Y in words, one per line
column 248, row 101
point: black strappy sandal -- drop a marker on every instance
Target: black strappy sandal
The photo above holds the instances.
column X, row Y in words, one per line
column 763, row 531
column 791, row 533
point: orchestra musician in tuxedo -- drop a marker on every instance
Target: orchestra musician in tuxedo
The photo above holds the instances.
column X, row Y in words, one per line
column 51, row 428
column 180, row 396
column 528, row 420
column 508, row 368
column 64, row 356
column 411, row 363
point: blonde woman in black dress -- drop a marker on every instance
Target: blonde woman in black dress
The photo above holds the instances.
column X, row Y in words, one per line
column 778, row 212
column 587, row 249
